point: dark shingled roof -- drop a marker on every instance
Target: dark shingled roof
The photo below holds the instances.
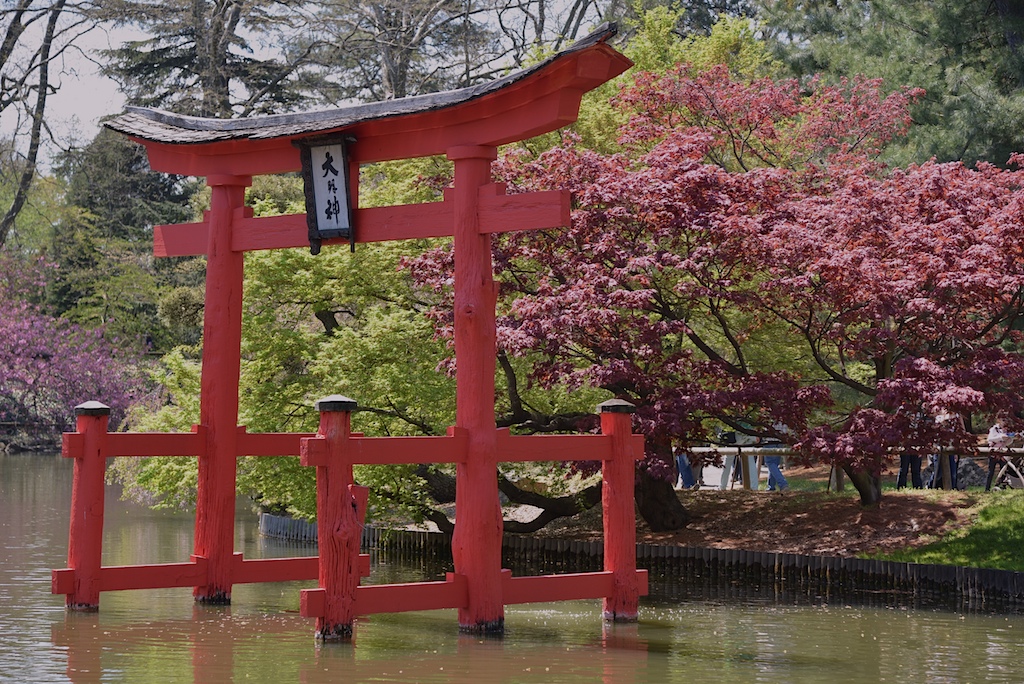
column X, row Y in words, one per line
column 164, row 127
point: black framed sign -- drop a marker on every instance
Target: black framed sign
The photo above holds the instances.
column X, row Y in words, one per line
column 326, row 184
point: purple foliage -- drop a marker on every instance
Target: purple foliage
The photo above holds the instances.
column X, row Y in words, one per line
column 48, row 366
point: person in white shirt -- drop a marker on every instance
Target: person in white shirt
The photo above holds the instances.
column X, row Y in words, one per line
column 998, row 438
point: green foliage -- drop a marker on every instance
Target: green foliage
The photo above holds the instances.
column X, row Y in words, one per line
column 179, row 376
column 279, row 485
column 164, row 482
column 405, row 181
column 106, row 283
column 106, row 276
column 993, row 541
column 656, row 46
column 730, row 41
column 337, row 323
column 274, row 195
column 965, row 55
column 181, row 310
column 389, row 362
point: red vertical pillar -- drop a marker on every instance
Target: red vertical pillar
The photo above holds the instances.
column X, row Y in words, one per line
column 476, row 543
column 222, row 339
column 619, row 516
column 340, row 509
column 85, row 538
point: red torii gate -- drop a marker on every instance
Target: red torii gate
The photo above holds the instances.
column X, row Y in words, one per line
column 467, row 126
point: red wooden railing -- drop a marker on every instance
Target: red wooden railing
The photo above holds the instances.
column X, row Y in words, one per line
column 333, row 450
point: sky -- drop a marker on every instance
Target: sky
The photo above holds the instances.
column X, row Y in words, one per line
column 86, row 96
column 83, row 98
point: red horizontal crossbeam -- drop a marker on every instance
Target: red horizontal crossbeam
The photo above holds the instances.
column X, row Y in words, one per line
column 269, row 443
column 283, row 569
column 173, row 575
column 499, row 213
column 137, row 444
column 382, row 450
column 398, row 598
column 156, row 443
column 364, row 450
column 124, row 577
column 567, row 587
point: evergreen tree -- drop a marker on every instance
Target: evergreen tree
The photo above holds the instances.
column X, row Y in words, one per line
column 199, row 57
column 102, row 249
column 965, row 54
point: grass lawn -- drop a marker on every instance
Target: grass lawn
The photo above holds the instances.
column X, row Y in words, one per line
column 994, row 540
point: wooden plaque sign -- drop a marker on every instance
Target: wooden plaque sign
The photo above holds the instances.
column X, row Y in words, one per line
column 325, row 180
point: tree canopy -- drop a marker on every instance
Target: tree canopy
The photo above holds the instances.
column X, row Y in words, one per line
column 746, row 251
column 747, row 261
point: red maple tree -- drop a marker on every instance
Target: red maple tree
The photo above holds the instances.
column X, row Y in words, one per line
column 746, row 261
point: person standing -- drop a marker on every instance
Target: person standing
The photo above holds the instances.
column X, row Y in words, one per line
column 776, row 480
column 935, row 460
column 910, row 462
column 686, row 479
column 998, row 438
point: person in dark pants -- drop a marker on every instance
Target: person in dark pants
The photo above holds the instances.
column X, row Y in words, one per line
column 910, row 462
column 686, row 478
column 935, row 481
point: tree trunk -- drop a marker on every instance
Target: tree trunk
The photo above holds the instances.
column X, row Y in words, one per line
column 868, row 485
column 656, row 501
column 43, row 88
column 658, row 504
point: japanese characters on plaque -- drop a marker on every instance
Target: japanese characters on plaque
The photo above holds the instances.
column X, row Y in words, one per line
column 325, row 176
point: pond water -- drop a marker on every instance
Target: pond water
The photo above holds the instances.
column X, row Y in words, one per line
column 684, row 634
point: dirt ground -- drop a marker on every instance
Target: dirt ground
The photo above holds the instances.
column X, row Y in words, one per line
column 805, row 522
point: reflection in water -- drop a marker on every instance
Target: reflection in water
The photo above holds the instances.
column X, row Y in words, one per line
column 708, row 633
column 223, row 646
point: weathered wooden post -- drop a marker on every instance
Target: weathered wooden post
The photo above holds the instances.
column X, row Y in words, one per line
column 222, row 339
column 944, row 465
column 340, row 511
column 476, row 543
column 85, row 539
column 619, row 517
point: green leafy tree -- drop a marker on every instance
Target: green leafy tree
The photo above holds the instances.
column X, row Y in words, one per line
column 106, row 276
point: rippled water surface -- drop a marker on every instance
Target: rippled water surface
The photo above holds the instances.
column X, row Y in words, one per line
column 683, row 635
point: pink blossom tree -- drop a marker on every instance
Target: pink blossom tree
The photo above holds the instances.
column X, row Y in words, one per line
column 48, row 366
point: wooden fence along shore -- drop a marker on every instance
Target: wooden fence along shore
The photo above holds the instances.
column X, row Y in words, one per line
column 825, row 574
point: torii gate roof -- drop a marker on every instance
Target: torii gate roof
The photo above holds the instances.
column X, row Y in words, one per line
column 520, row 105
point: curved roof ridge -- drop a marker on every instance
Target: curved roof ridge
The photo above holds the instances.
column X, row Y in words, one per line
column 163, row 126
